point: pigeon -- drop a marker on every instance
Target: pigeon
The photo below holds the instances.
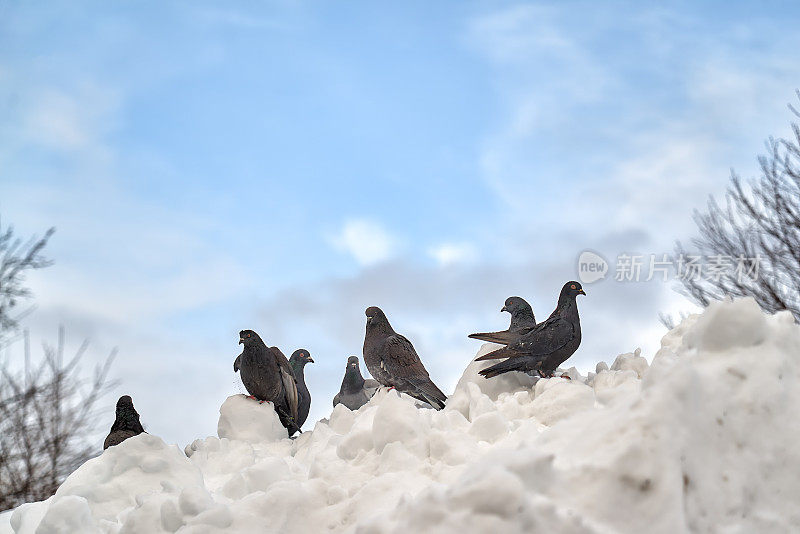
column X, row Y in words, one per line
column 267, row 376
column 522, row 322
column 298, row 361
column 547, row 345
column 392, row 360
column 355, row 391
column 126, row 425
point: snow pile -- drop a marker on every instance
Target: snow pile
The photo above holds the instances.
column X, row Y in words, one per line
column 702, row 440
column 241, row 418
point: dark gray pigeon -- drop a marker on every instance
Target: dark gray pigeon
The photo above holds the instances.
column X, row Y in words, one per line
column 393, row 362
column 298, row 361
column 355, row 391
column 547, row 345
column 522, row 322
column 267, row 376
column 126, row 425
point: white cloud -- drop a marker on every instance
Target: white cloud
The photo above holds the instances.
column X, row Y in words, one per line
column 451, row 253
column 73, row 121
column 592, row 126
column 367, row 241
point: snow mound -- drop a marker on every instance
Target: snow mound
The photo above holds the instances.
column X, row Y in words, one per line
column 248, row 420
column 701, row 440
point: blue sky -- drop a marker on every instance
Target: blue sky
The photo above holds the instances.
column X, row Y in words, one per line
column 281, row 166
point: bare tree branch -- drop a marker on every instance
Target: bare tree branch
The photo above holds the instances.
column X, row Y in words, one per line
column 47, row 417
column 760, row 219
column 16, row 258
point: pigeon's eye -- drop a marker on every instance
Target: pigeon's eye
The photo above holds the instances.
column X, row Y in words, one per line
column 571, row 287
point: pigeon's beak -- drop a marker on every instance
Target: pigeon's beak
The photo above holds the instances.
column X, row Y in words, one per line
column 241, row 341
column 310, row 359
column 503, row 309
column 582, row 292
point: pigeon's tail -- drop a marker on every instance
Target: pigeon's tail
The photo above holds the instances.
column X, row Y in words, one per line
column 288, row 422
column 426, row 391
column 498, row 354
column 501, row 338
column 500, row 368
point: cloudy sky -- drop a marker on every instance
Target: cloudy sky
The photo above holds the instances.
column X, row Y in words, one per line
column 283, row 165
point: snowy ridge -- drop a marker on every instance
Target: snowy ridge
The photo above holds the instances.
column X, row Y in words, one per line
column 702, row 440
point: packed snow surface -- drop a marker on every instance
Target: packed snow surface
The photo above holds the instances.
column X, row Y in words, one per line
column 702, row 440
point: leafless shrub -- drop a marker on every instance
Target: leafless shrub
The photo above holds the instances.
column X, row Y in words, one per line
column 47, row 420
column 759, row 219
column 16, row 257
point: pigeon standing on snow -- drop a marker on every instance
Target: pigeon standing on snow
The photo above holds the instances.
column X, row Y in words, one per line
column 267, row 376
column 522, row 322
column 126, row 425
column 547, row 345
column 298, row 361
column 392, row 360
column 355, row 391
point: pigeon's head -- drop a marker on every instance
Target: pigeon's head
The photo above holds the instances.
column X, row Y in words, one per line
column 301, row 356
column 572, row 289
column 125, row 404
column 352, row 362
column 374, row 315
column 514, row 304
column 248, row 338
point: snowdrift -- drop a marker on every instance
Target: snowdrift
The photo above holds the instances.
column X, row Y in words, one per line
column 702, row 440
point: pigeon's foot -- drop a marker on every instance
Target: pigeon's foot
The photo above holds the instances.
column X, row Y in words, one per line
column 251, row 397
column 565, row 375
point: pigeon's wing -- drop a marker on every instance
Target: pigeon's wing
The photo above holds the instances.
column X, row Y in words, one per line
column 369, row 383
column 290, row 387
column 237, row 363
column 546, row 338
column 288, row 380
column 504, row 352
column 502, row 338
column 370, row 387
column 400, row 359
column 402, row 362
column 512, row 364
column 552, row 337
column 281, row 359
column 337, row 399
